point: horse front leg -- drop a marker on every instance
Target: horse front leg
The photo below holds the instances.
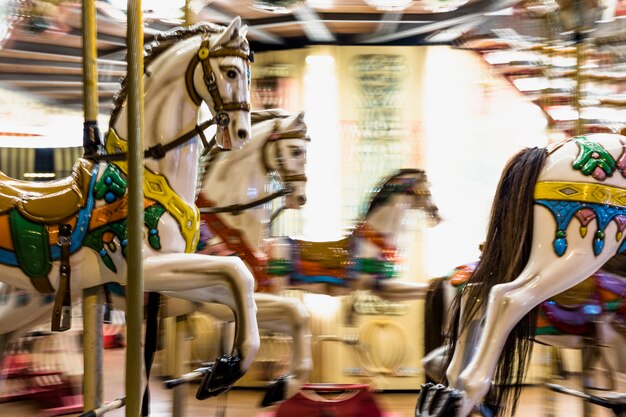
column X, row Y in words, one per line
column 212, row 279
column 289, row 316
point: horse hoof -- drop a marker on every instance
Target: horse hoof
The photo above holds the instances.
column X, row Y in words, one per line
column 276, row 392
column 226, row 371
column 437, row 401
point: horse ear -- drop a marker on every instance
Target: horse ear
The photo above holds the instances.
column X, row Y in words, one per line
column 230, row 33
column 243, row 31
column 296, row 121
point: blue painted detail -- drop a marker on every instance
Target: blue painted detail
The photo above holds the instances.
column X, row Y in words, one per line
column 154, row 232
column 48, row 299
column 560, row 246
column 8, row 258
column 103, row 252
column 82, row 223
column 592, row 310
column 108, row 180
column 318, row 279
column 109, row 197
column 124, row 243
column 564, row 211
column 598, row 245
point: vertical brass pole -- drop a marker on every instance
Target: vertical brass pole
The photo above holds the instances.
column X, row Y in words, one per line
column 134, row 295
column 92, row 304
column 579, row 81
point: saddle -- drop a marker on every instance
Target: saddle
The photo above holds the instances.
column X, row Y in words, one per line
column 48, row 202
column 331, row 254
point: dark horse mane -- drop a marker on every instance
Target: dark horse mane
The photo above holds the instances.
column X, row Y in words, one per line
column 161, row 42
column 387, row 187
column 506, row 253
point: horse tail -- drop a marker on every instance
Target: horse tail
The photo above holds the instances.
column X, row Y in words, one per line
column 505, row 254
column 433, row 326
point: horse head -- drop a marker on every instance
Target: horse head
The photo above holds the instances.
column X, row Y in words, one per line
column 285, row 153
column 408, row 188
column 220, row 76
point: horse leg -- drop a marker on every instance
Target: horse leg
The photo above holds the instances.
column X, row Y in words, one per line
column 212, row 279
column 507, row 304
column 287, row 316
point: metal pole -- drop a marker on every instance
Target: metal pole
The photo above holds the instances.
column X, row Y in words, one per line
column 134, row 295
column 92, row 305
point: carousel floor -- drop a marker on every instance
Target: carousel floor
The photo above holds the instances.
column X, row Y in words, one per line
column 535, row 401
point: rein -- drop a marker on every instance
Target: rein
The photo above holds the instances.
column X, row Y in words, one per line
column 159, row 151
column 238, row 208
column 367, row 232
column 233, row 239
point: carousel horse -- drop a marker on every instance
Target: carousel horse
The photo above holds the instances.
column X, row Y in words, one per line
column 534, row 250
column 78, row 224
column 243, row 232
column 275, row 155
column 584, row 317
column 366, row 258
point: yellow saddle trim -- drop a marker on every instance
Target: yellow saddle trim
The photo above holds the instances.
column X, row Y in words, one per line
column 155, row 187
column 47, row 202
column 580, row 191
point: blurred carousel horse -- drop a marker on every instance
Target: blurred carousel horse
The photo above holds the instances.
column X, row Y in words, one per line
column 558, row 216
column 276, row 155
column 587, row 317
column 242, row 232
column 79, row 224
column 366, row 258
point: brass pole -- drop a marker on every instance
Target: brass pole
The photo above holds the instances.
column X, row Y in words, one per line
column 92, row 304
column 134, row 295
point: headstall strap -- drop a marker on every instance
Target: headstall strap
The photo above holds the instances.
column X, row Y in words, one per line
column 62, row 311
column 204, row 54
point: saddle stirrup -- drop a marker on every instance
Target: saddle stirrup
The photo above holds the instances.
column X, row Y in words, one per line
column 62, row 312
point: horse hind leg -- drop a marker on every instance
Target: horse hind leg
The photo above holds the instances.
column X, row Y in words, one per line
column 508, row 304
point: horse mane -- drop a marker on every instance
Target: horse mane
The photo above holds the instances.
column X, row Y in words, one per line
column 386, row 187
column 259, row 116
column 161, row 42
column 506, row 252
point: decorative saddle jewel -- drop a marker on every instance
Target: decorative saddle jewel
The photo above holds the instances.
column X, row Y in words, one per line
column 586, row 201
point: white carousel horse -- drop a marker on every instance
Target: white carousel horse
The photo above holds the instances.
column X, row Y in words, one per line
column 278, row 148
column 586, row 317
column 533, row 252
column 243, row 233
column 86, row 213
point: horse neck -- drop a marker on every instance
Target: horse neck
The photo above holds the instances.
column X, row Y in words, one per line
column 386, row 220
column 237, row 178
column 168, row 114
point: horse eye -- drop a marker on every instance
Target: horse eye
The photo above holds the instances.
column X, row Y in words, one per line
column 296, row 153
column 231, row 74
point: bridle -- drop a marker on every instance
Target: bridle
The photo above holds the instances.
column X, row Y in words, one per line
column 280, row 160
column 286, row 179
column 221, row 118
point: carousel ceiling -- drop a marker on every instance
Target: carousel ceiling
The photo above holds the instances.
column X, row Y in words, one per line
column 40, row 40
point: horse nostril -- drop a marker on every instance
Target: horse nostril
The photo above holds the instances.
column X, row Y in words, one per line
column 242, row 133
column 302, row 200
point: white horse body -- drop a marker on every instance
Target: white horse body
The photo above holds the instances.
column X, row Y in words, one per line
column 21, row 310
column 561, row 254
column 170, row 113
